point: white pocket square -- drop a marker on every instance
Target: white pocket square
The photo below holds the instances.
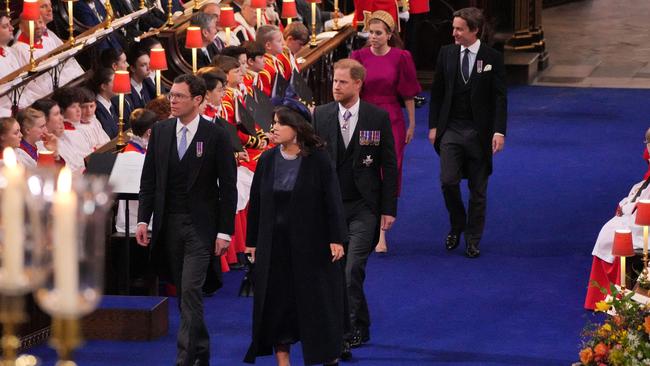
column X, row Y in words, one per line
column 487, row 67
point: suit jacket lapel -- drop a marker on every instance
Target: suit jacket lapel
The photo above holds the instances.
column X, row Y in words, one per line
column 334, row 130
column 480, row 55
column 165, row 147
column 195, row 162
column 453, row 60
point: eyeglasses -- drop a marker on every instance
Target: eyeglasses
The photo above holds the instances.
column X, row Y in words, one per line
column 172, row 96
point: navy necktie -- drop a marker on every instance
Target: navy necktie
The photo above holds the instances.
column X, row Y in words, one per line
column 464, row 69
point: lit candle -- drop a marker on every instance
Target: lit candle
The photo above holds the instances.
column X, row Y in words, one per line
column 227, row 36
column 13, row 223
column 66, row 264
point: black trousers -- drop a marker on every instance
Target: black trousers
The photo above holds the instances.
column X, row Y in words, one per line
column 188, row 258
column 462, row 155
column 362, row 229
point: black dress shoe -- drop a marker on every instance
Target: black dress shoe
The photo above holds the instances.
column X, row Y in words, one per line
column 346, row 351
column 452, row 241
column 472, row 251
column 359, row 337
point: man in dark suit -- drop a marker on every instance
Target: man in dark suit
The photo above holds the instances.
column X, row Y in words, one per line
column 467, row 124
column 205, row 54
column 360, row 142
column 142, row 87
column 188, row 185
column 91, row 13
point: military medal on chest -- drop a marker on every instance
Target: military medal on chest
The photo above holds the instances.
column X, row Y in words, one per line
column 199, row 149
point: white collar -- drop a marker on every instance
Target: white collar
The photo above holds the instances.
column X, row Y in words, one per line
column 354, row 110
column 136, row 85
column 105, row 102
column 473, row 48
column 191, row 127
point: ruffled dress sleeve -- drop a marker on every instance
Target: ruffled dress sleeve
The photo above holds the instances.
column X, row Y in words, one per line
column 407, row 82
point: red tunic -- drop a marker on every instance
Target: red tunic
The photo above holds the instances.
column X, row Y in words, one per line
column 389, row 6
column 266, row 77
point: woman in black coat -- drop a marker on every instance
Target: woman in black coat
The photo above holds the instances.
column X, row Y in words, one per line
column 295, row 232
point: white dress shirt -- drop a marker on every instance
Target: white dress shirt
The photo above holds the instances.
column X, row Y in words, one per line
column 39, row 87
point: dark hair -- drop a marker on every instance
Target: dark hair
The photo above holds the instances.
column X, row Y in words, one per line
column 5, row 125
column 160, row 106
column 135, row 53
column 100, row 77
column 86, row 95
column 109, row 57
column 195, row 83
column 142, row 120
column 305, row 135
column 253, row 50
column 233, row 51
column 65, row 97
column 44, row 105
column 226, row 63
column 473, row 17
column 148, row 42
column 211, row 75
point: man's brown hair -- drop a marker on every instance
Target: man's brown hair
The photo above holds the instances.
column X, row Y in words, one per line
column 357, row 71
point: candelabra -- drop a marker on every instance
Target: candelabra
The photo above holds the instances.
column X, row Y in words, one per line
column 170, row 21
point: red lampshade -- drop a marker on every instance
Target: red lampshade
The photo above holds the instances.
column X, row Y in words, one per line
column 31, row 10
column 623, row 244
column 158, row 60
column 258, row 4
column 418, row 6
column 643, row 213
column 193, row 38
column 314, row 1
column 289, row 9
column 121, row 82
column 227, row 18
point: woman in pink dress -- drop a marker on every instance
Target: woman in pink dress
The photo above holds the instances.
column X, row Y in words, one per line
column 390, row 78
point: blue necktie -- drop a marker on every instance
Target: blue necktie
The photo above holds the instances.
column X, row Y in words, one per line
column 182, row 147
column 465, row 66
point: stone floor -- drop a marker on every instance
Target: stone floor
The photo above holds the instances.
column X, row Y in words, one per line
column 598, row 43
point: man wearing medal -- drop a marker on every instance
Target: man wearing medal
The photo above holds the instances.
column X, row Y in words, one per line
column 188, row 184
column 360, row 142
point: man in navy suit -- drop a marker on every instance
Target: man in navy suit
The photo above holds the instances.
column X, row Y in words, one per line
column 142, row 88
column 91, row 13
column 467, row 124
column 188, row 184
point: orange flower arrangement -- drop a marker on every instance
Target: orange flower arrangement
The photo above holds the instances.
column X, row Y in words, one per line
column 586, row 356
column 646, row 324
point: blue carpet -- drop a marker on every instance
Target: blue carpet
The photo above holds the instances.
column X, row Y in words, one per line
column 570, row 155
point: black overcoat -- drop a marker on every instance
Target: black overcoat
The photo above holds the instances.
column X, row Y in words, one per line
column 317, row 219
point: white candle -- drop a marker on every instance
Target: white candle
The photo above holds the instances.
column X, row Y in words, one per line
column 13, row 222
column 259, row 18
column 313, row 14
column 66, row 263
column 622, row 272
column 227, row 36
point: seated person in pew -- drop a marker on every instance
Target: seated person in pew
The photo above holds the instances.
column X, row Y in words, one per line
column 37, row 144
column 215, row 81
column 154, row 18
column 270, row 37
column 89, row 124
column 91, row 13
column 208, row 51
column 254, row 64
column 8, row 61
column 106, row 111
column 246, row 20
column 69, row 101
column 113, row 59
column 270, row 15
column 212, row 7
column 142, row 88
column 150, row 43
column 51, row 41
column 42, row 85
column 141, row 122
column 604, row 269
column 66, row 144
column 10, row 134
column 239, row 53
column 296, row 36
